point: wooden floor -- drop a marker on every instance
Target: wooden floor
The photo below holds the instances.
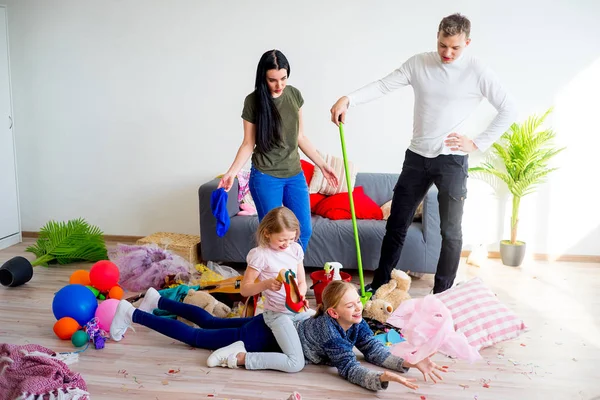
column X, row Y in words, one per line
column 559, row 358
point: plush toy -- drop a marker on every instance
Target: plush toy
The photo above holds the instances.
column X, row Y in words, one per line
column 378, row 309
column 206, row 301
column 396, row 290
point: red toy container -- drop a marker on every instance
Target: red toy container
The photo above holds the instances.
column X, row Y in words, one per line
column 320, row 280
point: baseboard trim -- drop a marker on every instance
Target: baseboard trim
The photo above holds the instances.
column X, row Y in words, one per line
column 547, row 257
column 108, row 238
column 464, row 253
column 10, row 240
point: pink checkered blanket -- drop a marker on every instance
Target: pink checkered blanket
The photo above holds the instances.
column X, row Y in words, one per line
column 33, row 372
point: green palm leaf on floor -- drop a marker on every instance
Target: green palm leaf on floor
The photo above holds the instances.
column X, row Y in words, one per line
column 68, row 242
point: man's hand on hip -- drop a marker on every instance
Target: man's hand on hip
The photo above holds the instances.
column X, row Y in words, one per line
column 458, row 142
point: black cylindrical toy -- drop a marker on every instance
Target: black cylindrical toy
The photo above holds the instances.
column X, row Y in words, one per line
column 15, row 272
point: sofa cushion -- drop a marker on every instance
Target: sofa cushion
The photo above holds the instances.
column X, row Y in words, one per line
column 319, row 184
column 315, row 198
column 479, row 315
column 338, row 206
column 308, row 168
column 378, row 186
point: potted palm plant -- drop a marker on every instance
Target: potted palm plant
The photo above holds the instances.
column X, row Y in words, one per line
column 523, row 153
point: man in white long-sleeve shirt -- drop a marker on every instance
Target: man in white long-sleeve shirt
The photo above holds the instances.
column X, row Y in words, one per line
column 448, row 86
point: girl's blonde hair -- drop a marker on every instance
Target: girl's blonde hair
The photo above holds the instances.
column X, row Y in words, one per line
column 332, row 295
column 276, row 221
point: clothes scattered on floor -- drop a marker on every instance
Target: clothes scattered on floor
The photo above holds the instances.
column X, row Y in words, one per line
column 34, row 372
column 380, row 327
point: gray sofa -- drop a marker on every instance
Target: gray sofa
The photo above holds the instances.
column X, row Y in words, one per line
column 331, row 240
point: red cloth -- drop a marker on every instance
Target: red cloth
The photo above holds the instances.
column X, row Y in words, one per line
column 32, row 369
column 315, row 198
column 338, row 206
column 308, row 170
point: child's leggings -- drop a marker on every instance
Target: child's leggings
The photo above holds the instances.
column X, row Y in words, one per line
column 213, row 333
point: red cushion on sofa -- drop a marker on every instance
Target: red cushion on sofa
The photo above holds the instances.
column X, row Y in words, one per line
column 308, row 170
column 315, row 198
column 338, row 206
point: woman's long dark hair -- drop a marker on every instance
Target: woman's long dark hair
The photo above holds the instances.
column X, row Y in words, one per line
column 268, row 120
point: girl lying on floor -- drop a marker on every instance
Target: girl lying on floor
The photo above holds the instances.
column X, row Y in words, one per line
column 327, row 338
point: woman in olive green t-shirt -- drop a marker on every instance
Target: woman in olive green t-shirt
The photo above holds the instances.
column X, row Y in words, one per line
column 273, row 132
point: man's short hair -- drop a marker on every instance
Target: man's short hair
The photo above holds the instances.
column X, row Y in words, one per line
column 455, row 24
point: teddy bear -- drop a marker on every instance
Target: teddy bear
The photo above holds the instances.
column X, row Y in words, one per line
column 207, row 302
column 396, row 290
column 377, row 309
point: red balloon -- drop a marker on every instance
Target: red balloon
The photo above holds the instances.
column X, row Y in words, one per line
column 104, row 275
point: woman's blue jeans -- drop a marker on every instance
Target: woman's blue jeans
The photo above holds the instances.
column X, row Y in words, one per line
column 269, row 192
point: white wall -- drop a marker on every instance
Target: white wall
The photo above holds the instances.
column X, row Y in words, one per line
column 123, row 108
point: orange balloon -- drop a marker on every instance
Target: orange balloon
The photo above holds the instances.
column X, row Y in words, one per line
column 65, row 327
column 81, row 277
column 115, row 293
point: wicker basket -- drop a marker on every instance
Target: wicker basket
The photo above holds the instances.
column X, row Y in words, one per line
column 187, row 246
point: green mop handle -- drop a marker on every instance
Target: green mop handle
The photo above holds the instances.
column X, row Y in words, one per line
column 354, row 226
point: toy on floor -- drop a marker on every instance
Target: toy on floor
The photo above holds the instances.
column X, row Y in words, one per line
column 75, row 305
column 75, row 301
column 390, row 337
column 207, row 302
column 79, row 338
column 378, row 309
column 96, row 335
column 104, row 275
column 65, row 327
column 106, row 312
column 396, row 290
column 81, row 277
column 102, row 279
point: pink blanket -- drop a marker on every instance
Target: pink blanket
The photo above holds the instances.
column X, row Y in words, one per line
column 35, row 372
column 428, row 327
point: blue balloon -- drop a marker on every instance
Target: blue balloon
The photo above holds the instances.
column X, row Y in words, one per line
column 75, row 301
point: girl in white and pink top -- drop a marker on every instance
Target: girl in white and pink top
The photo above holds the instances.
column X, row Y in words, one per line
column 268, row 262
column 278, row 249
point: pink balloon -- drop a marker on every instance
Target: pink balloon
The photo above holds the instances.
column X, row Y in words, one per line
column 106, row 312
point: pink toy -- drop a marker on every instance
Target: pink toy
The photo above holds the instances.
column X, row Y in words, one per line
column 428, row 327
column 106, row 312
